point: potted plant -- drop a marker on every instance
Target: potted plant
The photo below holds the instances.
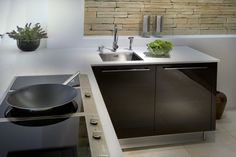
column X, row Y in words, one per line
column 28, row 38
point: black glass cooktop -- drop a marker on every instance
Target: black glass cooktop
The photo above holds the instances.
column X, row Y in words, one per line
column 7, row 111
column 50, row 133
column 68, row 138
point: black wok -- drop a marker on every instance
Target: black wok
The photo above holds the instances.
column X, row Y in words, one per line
column 43, row 97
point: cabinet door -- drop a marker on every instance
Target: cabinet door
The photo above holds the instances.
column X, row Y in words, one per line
column 185, row 98
column 129, row 93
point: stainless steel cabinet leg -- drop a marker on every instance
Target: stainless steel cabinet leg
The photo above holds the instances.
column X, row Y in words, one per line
column 203, row 136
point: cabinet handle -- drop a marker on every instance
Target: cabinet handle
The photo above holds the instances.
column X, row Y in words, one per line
column 184, row 68
column 125, row 70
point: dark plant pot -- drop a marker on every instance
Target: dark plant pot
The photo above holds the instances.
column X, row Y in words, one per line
column 221, row 100
column 28, row 45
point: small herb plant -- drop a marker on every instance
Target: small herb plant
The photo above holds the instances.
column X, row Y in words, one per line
column 159, row 47
column 28, row 32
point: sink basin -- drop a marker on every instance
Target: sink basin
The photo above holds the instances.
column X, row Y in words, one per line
column 120, row 56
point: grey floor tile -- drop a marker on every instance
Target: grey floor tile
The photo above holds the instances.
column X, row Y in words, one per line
column 180, row 152
column 219, row 143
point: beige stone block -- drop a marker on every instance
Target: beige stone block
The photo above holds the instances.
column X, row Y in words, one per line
column 209, row 16
column 231, row 20
column 130, row 5
column 100, row 9
column 229, row 12
column 209, row 12
column 231, row 2
column 169, row 15
column 231, row 31
column 168, row 20
column 209, row 26
column 180, row 20
column 98, row 20
column 112, row 14
column 193, row 20
column 158, row 5
column 98, row 33
column 137, row 0
column 207, row 7
column 104, row 27
column 93, row 4
column 160, row 10
column 183, row 1
column 194, row 5
column 127, row 20
column 105, row 15
column 174, row 25
column 160, row 1
column 90, row 14
column 194, row 25
column 211, row 1
column 179, row 9
column 130, row 26
column 184, row 6
column 180, row 15
column 230, row 25
column 203, row 27
column 128, row 9
column 212, row 20
column 137, row 15
column 188, row 16
column 187, row 13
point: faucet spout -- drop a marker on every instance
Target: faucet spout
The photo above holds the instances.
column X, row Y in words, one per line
column 115, row 41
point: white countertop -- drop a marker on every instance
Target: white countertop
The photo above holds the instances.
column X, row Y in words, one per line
column 67, row 61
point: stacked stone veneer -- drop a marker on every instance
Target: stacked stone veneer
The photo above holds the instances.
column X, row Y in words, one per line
column 179, row 16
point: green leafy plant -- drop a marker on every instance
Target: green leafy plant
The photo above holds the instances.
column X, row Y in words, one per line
column 28, row 32
column 159, row 47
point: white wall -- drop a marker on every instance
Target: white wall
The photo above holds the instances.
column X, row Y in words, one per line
column 65, row 26
column 64, row 22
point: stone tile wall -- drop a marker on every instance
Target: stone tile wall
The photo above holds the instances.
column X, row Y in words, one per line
column 179, row 16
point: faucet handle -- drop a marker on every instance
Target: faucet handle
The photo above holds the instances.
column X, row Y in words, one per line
column 101, row 48
column 130, row 42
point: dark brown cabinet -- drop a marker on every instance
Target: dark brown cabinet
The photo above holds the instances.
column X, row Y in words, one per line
column 185, row 98
column 146, row 100
column 129, row 95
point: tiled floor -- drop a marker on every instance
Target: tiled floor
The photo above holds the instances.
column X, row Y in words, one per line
column 221, row 143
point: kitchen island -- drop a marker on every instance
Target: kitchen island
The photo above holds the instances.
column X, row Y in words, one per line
column 67, row 61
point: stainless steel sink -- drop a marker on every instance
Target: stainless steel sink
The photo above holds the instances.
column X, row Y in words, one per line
column 120, row 56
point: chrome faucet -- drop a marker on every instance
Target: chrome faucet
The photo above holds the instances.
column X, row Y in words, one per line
column 115, row 41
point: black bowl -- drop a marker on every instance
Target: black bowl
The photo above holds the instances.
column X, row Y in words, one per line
column 28, row 45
